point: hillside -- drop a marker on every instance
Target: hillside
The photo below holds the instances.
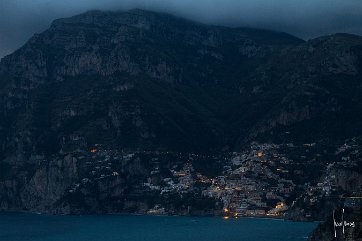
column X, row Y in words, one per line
column 164, row 88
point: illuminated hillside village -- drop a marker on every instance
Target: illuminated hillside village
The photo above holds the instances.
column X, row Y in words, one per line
column 261, row 181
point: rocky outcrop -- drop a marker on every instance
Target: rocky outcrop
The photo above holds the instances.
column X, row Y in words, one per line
column 38, row 189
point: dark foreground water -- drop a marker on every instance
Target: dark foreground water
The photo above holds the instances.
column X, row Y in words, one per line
column 22, row 227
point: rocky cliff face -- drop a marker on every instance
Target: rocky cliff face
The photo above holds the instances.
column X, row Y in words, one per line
column 133, row 78
column 139, row 80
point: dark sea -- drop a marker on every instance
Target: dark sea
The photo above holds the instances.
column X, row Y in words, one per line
column 33, row 227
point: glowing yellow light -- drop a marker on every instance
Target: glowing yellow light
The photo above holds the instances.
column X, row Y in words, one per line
column 260, row 154
column 226, row 210
column 279, row 205
column 226, row 217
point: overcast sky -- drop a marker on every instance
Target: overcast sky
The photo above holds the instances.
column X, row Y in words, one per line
column 20, row 19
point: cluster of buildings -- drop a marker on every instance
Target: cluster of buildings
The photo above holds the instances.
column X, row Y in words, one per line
column 264, row 180
column 252, row 183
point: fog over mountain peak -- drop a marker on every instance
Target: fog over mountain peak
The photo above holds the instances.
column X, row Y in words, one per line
column 20, row 19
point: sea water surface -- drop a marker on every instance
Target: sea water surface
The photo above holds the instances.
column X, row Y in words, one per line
column 33, row 227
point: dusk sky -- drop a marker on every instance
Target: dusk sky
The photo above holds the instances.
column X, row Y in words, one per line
column 20, row 19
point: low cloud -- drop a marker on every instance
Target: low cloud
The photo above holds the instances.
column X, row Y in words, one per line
column 20, row 19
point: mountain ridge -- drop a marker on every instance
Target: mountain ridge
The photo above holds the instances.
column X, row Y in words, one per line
column 149, row 82
column 43, row 69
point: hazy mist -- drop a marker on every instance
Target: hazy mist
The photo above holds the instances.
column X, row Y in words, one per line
column 20, row 19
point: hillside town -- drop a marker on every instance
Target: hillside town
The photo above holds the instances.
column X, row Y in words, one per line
column 265, row 180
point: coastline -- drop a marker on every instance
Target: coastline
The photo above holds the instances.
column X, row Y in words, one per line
column 157, row 215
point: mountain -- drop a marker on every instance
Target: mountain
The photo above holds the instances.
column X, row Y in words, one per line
column 151, row 82
column 167, row 82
